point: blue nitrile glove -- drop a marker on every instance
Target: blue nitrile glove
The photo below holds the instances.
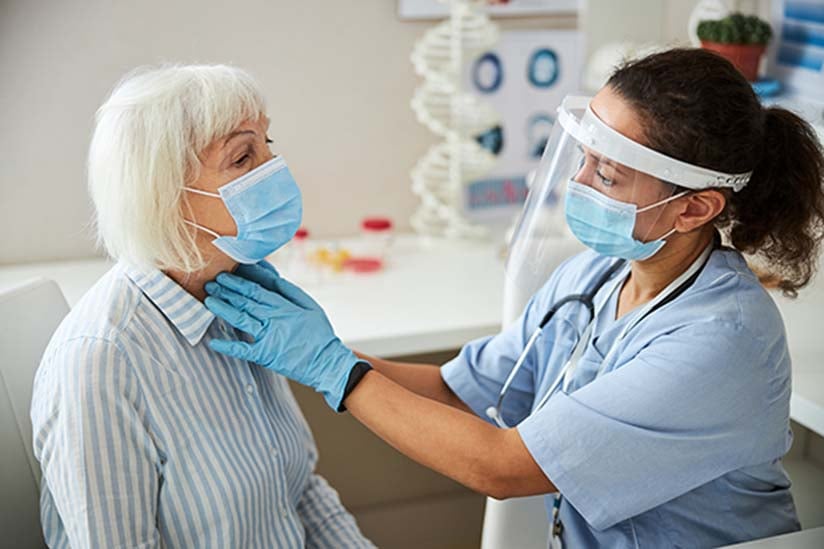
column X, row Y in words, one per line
column 292, row 335
column 263, row 273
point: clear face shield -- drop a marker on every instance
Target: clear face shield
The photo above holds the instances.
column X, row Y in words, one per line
column 613, row 194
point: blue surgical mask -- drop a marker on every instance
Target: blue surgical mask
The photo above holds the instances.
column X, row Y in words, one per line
column 267, row 208
column 606, row 225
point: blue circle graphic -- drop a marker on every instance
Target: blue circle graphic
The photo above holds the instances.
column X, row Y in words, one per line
column 538, row 129
column 487, row 73
column 542, row 70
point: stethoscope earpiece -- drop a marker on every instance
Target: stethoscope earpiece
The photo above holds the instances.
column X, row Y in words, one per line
column 493, row 414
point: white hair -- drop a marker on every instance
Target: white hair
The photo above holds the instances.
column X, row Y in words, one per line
column 145, row 148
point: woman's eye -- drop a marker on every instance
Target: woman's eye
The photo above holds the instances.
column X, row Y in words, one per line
column 242, row 160
column 268, row 141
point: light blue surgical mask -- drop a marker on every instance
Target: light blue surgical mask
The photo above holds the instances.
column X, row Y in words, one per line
column 267, row 208
column 606, row 225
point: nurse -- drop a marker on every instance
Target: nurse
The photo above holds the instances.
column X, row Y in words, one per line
column 653, row 407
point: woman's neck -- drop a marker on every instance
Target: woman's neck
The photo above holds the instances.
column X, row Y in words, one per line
column 216, row 263
column 648, row 278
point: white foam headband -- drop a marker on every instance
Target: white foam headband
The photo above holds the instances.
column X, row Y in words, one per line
column 595, row 134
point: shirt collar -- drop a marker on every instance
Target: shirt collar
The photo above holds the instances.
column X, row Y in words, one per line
column 188, row 315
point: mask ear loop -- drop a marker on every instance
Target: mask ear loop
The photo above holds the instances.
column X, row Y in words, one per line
column 661, row 203
column 202, row 228
column 200, row 191
column 192, row 223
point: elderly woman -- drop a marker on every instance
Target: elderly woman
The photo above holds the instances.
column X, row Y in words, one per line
column 145, row 436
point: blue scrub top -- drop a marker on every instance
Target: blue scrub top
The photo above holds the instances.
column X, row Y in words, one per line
column 679, row 442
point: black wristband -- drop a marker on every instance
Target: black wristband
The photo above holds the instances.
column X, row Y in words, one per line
column 355, row 375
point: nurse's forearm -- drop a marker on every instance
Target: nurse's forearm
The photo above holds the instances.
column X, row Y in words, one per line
column 492, row 461
column 423, row 379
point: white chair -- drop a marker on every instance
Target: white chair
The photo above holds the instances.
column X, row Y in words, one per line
column 521, row 522
column 516, row 522
column 29, row 315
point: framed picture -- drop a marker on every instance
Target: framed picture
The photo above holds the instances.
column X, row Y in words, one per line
column 796, row 55
column 433, row 9
column 524, row 78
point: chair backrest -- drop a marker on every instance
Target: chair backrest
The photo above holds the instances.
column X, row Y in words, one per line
column 515, row 522
column 29, row 314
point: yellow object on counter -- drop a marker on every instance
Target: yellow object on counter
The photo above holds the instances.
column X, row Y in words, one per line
column 333, row 258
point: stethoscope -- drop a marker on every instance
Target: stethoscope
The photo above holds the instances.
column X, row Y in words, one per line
column 672, row 291
column 588, row 301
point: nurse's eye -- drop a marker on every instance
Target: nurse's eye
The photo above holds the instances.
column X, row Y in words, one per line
column 604, row 179
column 268, row 141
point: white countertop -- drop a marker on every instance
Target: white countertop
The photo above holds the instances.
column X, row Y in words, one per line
column 433, row 295
column 804, row 322
column 436, row 295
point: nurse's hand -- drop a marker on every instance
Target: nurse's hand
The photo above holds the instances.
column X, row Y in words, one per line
column 292, row 335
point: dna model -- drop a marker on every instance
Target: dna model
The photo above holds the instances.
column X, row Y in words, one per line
column 455, row 115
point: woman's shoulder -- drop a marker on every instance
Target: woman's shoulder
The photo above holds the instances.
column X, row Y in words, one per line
column 728, row 300
column 730, row 293
column 99, row 318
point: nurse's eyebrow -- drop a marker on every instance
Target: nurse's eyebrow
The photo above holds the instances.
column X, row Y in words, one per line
column 612, row 164
column 615, row 166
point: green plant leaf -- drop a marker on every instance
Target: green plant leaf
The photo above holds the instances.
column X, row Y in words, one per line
column 736, row 28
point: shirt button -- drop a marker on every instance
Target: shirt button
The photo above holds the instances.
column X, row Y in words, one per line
column 284, row 512
column 250, row 389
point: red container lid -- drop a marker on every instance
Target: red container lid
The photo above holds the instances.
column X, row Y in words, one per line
column 376, row 224
column 363, row 264
column 301, row 233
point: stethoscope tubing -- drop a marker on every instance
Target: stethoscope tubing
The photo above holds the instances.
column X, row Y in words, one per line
column 587, row 299
column 676, row 288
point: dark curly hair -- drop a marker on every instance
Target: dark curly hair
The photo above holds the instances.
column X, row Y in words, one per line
column 698, row 108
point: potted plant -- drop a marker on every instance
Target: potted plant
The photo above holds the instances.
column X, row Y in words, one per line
column 739, row 38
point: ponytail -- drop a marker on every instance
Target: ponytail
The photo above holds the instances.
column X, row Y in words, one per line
column 698, row 108
column 779, row 216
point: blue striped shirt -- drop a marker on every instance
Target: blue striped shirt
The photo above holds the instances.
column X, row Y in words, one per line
column 147, row 438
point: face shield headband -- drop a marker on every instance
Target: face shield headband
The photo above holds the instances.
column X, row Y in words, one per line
column 592, row 132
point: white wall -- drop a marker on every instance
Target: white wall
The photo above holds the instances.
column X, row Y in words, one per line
column 336, row 74
column 337, row 80
column 649, row 21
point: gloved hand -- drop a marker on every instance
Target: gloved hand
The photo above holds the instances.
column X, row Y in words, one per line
column 292, row 335
column 263, row 273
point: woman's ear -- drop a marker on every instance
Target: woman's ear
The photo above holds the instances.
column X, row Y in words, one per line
column 699, row 209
